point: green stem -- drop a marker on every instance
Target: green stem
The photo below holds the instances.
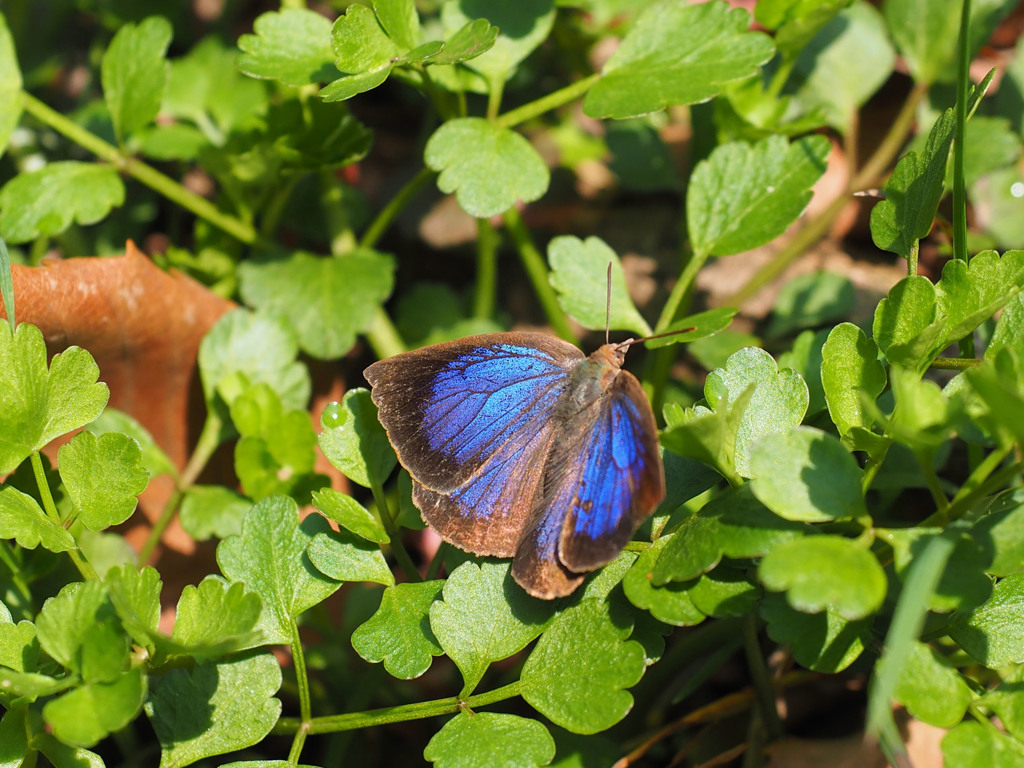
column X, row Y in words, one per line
column 435, row 563
column 966, row 344
column 275, row 207
column 933, row 484
column 401, row 713
column 494, row 97
column 384, row 337
column 761, row 678
column 388, row 213
column 389, row 522
column 7, row 558
column 486, row 269
column 301, row 676
column 146, row 174
column 537, row 271
column 339, row 225
column 915, row 250
column 157, row 531
column 546, row 103
column 955, row 363
column 679, row 291
column 83, row 566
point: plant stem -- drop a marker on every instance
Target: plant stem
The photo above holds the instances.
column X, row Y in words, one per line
column 417, row 711
column 763, row 686
column 966, row 344
column 679, row 291
column 395, row 205
column 301, row 676
column 955, row 363
column 394, row 534
column 546, row 103
column 7, row 558
column 486, row 270
column 50, row 509
column 146, row 174
column 537, row 271
column 384, row 337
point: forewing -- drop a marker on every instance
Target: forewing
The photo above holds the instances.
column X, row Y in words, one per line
column 614, row 483
column 449, row 408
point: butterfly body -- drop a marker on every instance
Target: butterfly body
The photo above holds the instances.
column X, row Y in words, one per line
column 520, row 446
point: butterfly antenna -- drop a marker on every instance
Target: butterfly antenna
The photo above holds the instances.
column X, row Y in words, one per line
column 608, row 305
column 631, row 342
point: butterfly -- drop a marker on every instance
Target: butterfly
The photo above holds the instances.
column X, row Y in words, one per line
column 520, row 446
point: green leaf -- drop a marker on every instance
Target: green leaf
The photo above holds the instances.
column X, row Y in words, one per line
column 470, row 41
column 489, row 168
column 745, row 195
column 850, row 374
column 485, row 617
column 806, row 475
column 350, row 514
column 804, row 357
column 825, row 573
column 215, row 618
column 904, row 326
column 697, row 326
column 577, row 673
column 154, row 460
column 63, row 756
column 328, row 300
column 823, row 80
column 796, row 22
column 1009, row 333
column 970, row 293
column 708, row 436
column 19, row 648
column 724, row 592
column 14, row 732
column 477, row 741
column 913, row 192
column 354, row 441
column 824, row 642
column 343, row 556
column 932, row 690
column 292, row 46
column 1002, row 531
column 670, row 603
column 579, row 274
column 79, row 629
column 522, row 25
column 31, row 686
column 46, row 202
column 733, row 524
column 261, row 347
column 103, row 477
column 640, row 159
column 87, row 714
column 974, row 743
column 778, row 404
column 136, row 597
column 22, row 519
column 677, row 54
column 10, row 86
column 365, row 52
column 213, row 511
column 991, row 633
column 1006, row 701
column 134, row 74
column 269, row 557
column 212, row 709
column 399, row 632
column 809, row 301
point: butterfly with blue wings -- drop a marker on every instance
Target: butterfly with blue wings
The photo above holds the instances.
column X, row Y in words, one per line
column 520, row 446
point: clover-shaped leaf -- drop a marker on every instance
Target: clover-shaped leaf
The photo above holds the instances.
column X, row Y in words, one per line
column 913, row 192
column 905, row 325
column 677, row 54
column 103, row 477
column 824, row 642
column 343, row 556
column 22, row 519
column 577, row 673
column 991, row 633
column 354, row 441
column 807, row 475
column 234, row 700
column 850, row 373
column 329, row 300
column 36, row 404
column 135, row 596
column 734, row 524
column 399, row 632
column 931, row 689
column 134, row 73
column 744, row 195
column 778, row 404
column 974, row 743
column 971, row 292
column 46, row 202
column 579, row 273
column 477, row 741
column 488, row 167
column 19, row 649
column 292, row 46
column 213, row 511
column 670, row 603
column 269, row 557
column 826, row 572
column 215, row 618
column 484, row 617
column 80, row 629
column 725, row 591
column 350, row 514
column 521, row 26
column 709, row 436
column 90, row 712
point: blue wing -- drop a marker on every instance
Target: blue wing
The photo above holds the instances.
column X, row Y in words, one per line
column 598, row 488
column 471, row 421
